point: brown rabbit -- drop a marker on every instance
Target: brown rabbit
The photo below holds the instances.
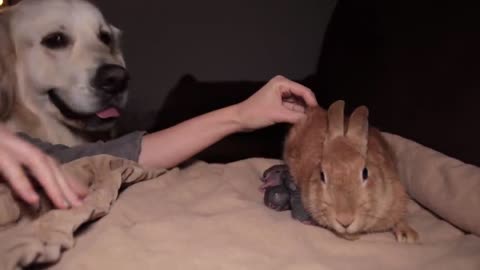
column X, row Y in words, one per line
column 346, row 174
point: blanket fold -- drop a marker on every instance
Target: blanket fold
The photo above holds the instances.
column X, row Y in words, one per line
column 446, row 186
column 30, row 237
column 212, row 216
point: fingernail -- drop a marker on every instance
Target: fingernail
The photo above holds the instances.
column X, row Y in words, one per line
column 77, row 203
column 66, row 204
column 34, row 197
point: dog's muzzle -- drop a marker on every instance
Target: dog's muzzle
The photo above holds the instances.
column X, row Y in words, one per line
column 109, row 85
column 111, row 79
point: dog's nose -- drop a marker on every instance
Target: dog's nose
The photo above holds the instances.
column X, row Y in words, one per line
column 111, row 79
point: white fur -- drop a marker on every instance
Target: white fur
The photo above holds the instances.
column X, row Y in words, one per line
column 69, row 71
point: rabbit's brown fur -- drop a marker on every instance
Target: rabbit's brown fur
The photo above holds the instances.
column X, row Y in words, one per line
column 338, row 149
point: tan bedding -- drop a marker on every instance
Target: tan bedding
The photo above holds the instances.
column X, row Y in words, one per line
column 211, row 216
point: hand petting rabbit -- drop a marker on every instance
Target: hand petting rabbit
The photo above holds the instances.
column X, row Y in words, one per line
column 346, row 174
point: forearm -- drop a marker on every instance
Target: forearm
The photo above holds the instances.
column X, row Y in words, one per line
column 163, row 149
column 170, row 147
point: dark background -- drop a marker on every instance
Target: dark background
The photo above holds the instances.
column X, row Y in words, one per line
column 415, row 64
column 214, row 40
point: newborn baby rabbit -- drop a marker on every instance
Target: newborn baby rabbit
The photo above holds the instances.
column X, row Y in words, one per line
column 346, row 174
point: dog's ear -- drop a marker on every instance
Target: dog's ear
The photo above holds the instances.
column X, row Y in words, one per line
column 8, row 80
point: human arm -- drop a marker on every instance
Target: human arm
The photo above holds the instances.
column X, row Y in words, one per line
column 162, row 149
column 270, row 105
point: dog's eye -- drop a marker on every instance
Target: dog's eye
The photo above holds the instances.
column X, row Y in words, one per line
column 105, row 37
column 56, row 40
column 365, row 174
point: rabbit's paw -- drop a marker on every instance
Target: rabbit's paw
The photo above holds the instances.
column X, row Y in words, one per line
column 404, row 233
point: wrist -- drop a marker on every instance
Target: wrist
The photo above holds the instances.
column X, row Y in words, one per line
column 234, row 117
column 238, row 118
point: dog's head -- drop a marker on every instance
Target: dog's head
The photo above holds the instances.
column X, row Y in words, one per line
column 62, row 59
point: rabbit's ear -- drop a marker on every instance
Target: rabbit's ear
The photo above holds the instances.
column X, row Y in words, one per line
column 358, row 127
column 7, row 68
column 336, row 122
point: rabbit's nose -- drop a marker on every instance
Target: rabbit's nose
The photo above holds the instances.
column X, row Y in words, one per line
column 345, row 219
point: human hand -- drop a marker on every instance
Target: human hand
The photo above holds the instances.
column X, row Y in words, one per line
column 279, row 101
column 17, row 155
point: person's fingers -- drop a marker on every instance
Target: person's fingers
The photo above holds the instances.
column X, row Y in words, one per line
column 293, row 117
column 15, row 176
column 290, row 116
column 62, row 183
column 299, row 90
column 293, row 106
column 38, row 165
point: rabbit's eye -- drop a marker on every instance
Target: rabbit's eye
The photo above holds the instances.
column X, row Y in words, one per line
column 322, row 177
column 365, row 174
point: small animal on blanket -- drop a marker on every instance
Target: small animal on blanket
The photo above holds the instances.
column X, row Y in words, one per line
column 281, row 193
column 346, row 174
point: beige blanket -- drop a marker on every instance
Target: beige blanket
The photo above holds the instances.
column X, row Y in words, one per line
column 211, row 216
column 33, row 236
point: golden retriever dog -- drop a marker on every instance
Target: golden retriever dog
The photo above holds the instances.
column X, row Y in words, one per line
column 62, row 74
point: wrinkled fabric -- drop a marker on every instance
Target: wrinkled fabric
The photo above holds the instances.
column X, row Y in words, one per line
column 212, row 216
column 448, row 187
column 33, row 236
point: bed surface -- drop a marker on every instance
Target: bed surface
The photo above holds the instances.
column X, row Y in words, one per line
column 211, row 216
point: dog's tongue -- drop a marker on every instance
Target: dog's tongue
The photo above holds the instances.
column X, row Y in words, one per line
column 108, row 113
